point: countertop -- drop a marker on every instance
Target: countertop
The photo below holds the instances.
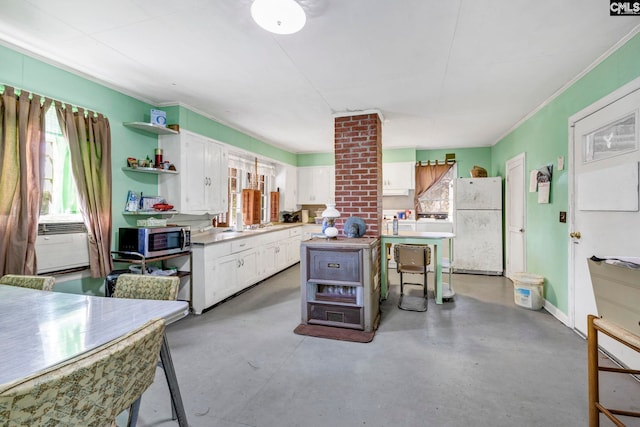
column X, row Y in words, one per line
column 217, row 235
column 420, row 234
column 359, row 242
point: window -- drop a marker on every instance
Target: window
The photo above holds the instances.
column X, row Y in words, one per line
column 59, row 193
column 61, row 244
column 241, row 175
column 438, row 200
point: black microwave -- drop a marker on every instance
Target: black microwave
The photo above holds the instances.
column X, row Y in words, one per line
column 155, row 241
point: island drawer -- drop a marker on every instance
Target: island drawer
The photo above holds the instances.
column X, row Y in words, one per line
column 342, row 265
column 336, row 315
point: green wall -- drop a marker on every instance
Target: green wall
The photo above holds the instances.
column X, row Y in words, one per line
column 198, row 123
column 544, row 137
column 466, row 158
column 315, row 159
column 399, row 155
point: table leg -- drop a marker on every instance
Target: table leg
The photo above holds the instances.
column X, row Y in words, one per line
column 438, row 272
column 174, row 389
column 384, row 271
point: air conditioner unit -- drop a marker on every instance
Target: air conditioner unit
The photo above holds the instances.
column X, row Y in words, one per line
column 56, row 252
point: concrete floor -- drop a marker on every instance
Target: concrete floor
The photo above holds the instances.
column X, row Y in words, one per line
column 477, row 361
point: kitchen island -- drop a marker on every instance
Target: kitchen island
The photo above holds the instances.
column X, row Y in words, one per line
column 340, row 283
column 434, row 238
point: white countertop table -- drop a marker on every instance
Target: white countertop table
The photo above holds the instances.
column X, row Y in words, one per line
column 434, row 238
column 40, row 329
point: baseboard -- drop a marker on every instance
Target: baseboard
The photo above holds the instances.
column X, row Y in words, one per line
column 555, row 312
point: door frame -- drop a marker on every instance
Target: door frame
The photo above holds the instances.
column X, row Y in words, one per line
column 598, row 105
column 520, row 158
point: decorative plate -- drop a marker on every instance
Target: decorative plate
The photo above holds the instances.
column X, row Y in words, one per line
column 354, row 227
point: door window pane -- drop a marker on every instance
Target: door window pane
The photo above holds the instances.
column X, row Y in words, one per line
column 611, row 140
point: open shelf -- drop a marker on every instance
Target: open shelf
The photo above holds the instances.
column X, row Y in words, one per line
column 151, row 212
column 151, row 128
column 155, row 171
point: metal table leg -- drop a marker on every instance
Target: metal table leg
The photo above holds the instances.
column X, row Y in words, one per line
column 174, row 389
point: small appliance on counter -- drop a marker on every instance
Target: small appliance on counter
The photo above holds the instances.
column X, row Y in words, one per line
column 155, row 241
column 290, row 217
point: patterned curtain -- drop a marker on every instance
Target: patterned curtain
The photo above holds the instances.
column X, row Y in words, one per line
column 22, row 142
column 426, row 176
column 89, row 137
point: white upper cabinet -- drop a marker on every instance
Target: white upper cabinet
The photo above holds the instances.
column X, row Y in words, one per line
column 201, row 186
column 316, row 185
column 287, row 182
column 397, row 178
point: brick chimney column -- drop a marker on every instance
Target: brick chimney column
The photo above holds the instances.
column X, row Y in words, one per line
column 358, row 169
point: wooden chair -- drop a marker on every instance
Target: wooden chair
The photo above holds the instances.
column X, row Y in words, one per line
column 595, row 325
column 90, row 389
column 412, row 259
column 43, row 283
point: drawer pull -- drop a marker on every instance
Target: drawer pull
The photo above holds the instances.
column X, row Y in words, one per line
column 333, row 265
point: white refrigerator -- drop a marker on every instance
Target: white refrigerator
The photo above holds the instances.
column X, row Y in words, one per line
column 478, row 226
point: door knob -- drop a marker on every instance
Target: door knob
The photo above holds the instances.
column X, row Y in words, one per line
column 575, row 234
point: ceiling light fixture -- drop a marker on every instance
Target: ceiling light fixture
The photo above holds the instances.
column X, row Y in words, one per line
column 278, row 16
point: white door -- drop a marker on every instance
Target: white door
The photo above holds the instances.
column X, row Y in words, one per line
column 515, row 204
column 605, row 219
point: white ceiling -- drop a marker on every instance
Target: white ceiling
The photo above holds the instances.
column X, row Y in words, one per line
column 444, row 74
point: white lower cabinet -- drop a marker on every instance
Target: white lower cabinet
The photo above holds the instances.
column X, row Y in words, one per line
column 274, row 258
column 282, row 250
column 223, row 269
column 293, row 246
column 221, row 282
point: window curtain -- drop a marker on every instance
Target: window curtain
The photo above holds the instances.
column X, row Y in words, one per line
column 22, row 142
column 89, row 137
column 426, row 176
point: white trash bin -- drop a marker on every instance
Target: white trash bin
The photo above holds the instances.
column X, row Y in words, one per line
column 528, row 290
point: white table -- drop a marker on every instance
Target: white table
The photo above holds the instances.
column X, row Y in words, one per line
column 40, row 329
column 434, row 238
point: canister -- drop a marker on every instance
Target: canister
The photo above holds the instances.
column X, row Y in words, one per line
column 159, row 157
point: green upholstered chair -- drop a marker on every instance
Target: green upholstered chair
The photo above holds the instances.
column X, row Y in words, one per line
column 412, row 259
column 43, row 283
column 90, row 389
column 144, row 286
